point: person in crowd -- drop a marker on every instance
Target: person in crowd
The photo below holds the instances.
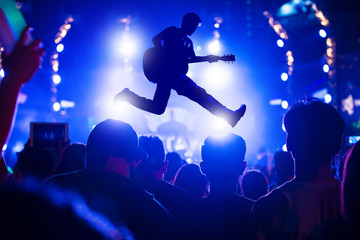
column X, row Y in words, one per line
column 35, row 163
column 254, row 184
column 19, row 67
column 72, row 159
column 224, row 213
column 150, row 173
column 190, row 178
column 112, row 151
column 308, row 207
column 284, row 168
column 350, row 190
column 174, row 164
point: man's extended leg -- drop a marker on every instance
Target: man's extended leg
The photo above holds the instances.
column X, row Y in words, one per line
column 157, row 105
column 189, row 89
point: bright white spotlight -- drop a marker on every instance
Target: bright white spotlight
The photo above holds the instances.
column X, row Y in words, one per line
column 214, row 46
column 4, row 147
column 322, row 33
column 60, row 47
column 284, row 77
column 326, row 68
column 67, row 104
column 219, row 125
column 2, row 73
column 280, row 43
column 275, row 102
column 120, row 108
column 284, row 148
column 283, row 127
column 214, row 73
column 56, row 79
column 127, row 47
column 327, row 98
column 56, row 106
column 216, row 25
column 284, row 104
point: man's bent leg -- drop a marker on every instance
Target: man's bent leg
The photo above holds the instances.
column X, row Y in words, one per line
column 197, row 94
column 157, row 105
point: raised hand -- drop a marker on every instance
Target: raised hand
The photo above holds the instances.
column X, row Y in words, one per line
column 24, row 60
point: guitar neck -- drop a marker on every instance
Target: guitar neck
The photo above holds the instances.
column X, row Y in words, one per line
column 228, row 58
column 199, row 59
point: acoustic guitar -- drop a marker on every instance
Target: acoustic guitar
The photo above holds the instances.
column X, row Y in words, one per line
column 157, row 64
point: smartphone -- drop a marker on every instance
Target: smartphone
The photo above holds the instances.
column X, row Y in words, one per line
column 48, row 135
column 12, row 24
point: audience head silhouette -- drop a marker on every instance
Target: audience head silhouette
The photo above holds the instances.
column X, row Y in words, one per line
column 155, row 165
column 111, row 144
column 34, row 163
column 314, row 132
column 72, row 159
column 190, row 178
column 223, row 157
column 284, row 166
column 190, row 22
column 174, row 163
column 254, row 184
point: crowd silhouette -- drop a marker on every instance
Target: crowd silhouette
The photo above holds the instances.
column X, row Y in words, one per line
column 122, row 186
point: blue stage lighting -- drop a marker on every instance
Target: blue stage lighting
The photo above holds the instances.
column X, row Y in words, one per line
column 60, row 47
column 280, row 43
column 322, row 33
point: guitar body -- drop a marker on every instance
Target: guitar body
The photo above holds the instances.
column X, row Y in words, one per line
column 158, row 65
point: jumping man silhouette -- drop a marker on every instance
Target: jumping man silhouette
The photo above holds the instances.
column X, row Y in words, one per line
column 167, row 64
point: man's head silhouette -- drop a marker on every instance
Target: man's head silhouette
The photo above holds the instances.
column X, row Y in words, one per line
column 190, row 22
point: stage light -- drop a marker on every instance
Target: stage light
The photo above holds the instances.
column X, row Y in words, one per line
column 127, row 47
column 2, row 73
column 4, row 147
column 60, row 47
column 214, row 47
column 219, row 125
column 275, row 102
column 283, row 127
column 67, row 104
column 280, row 43
column 119, row 109
column 216, row 25
column 56, row 79
column 322, row 33
column 327, row 98
column 284, row 104
column 217, row 76
column 284, row 77
column 56, row 106
column 284, row 148
column 326, row 68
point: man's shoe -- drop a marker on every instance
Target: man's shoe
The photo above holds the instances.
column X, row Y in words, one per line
column 237, row 115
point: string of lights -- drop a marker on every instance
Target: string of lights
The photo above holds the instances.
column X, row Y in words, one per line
column 2, row 74
column 281, row 32
column 54, row 60
column 330, row 55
